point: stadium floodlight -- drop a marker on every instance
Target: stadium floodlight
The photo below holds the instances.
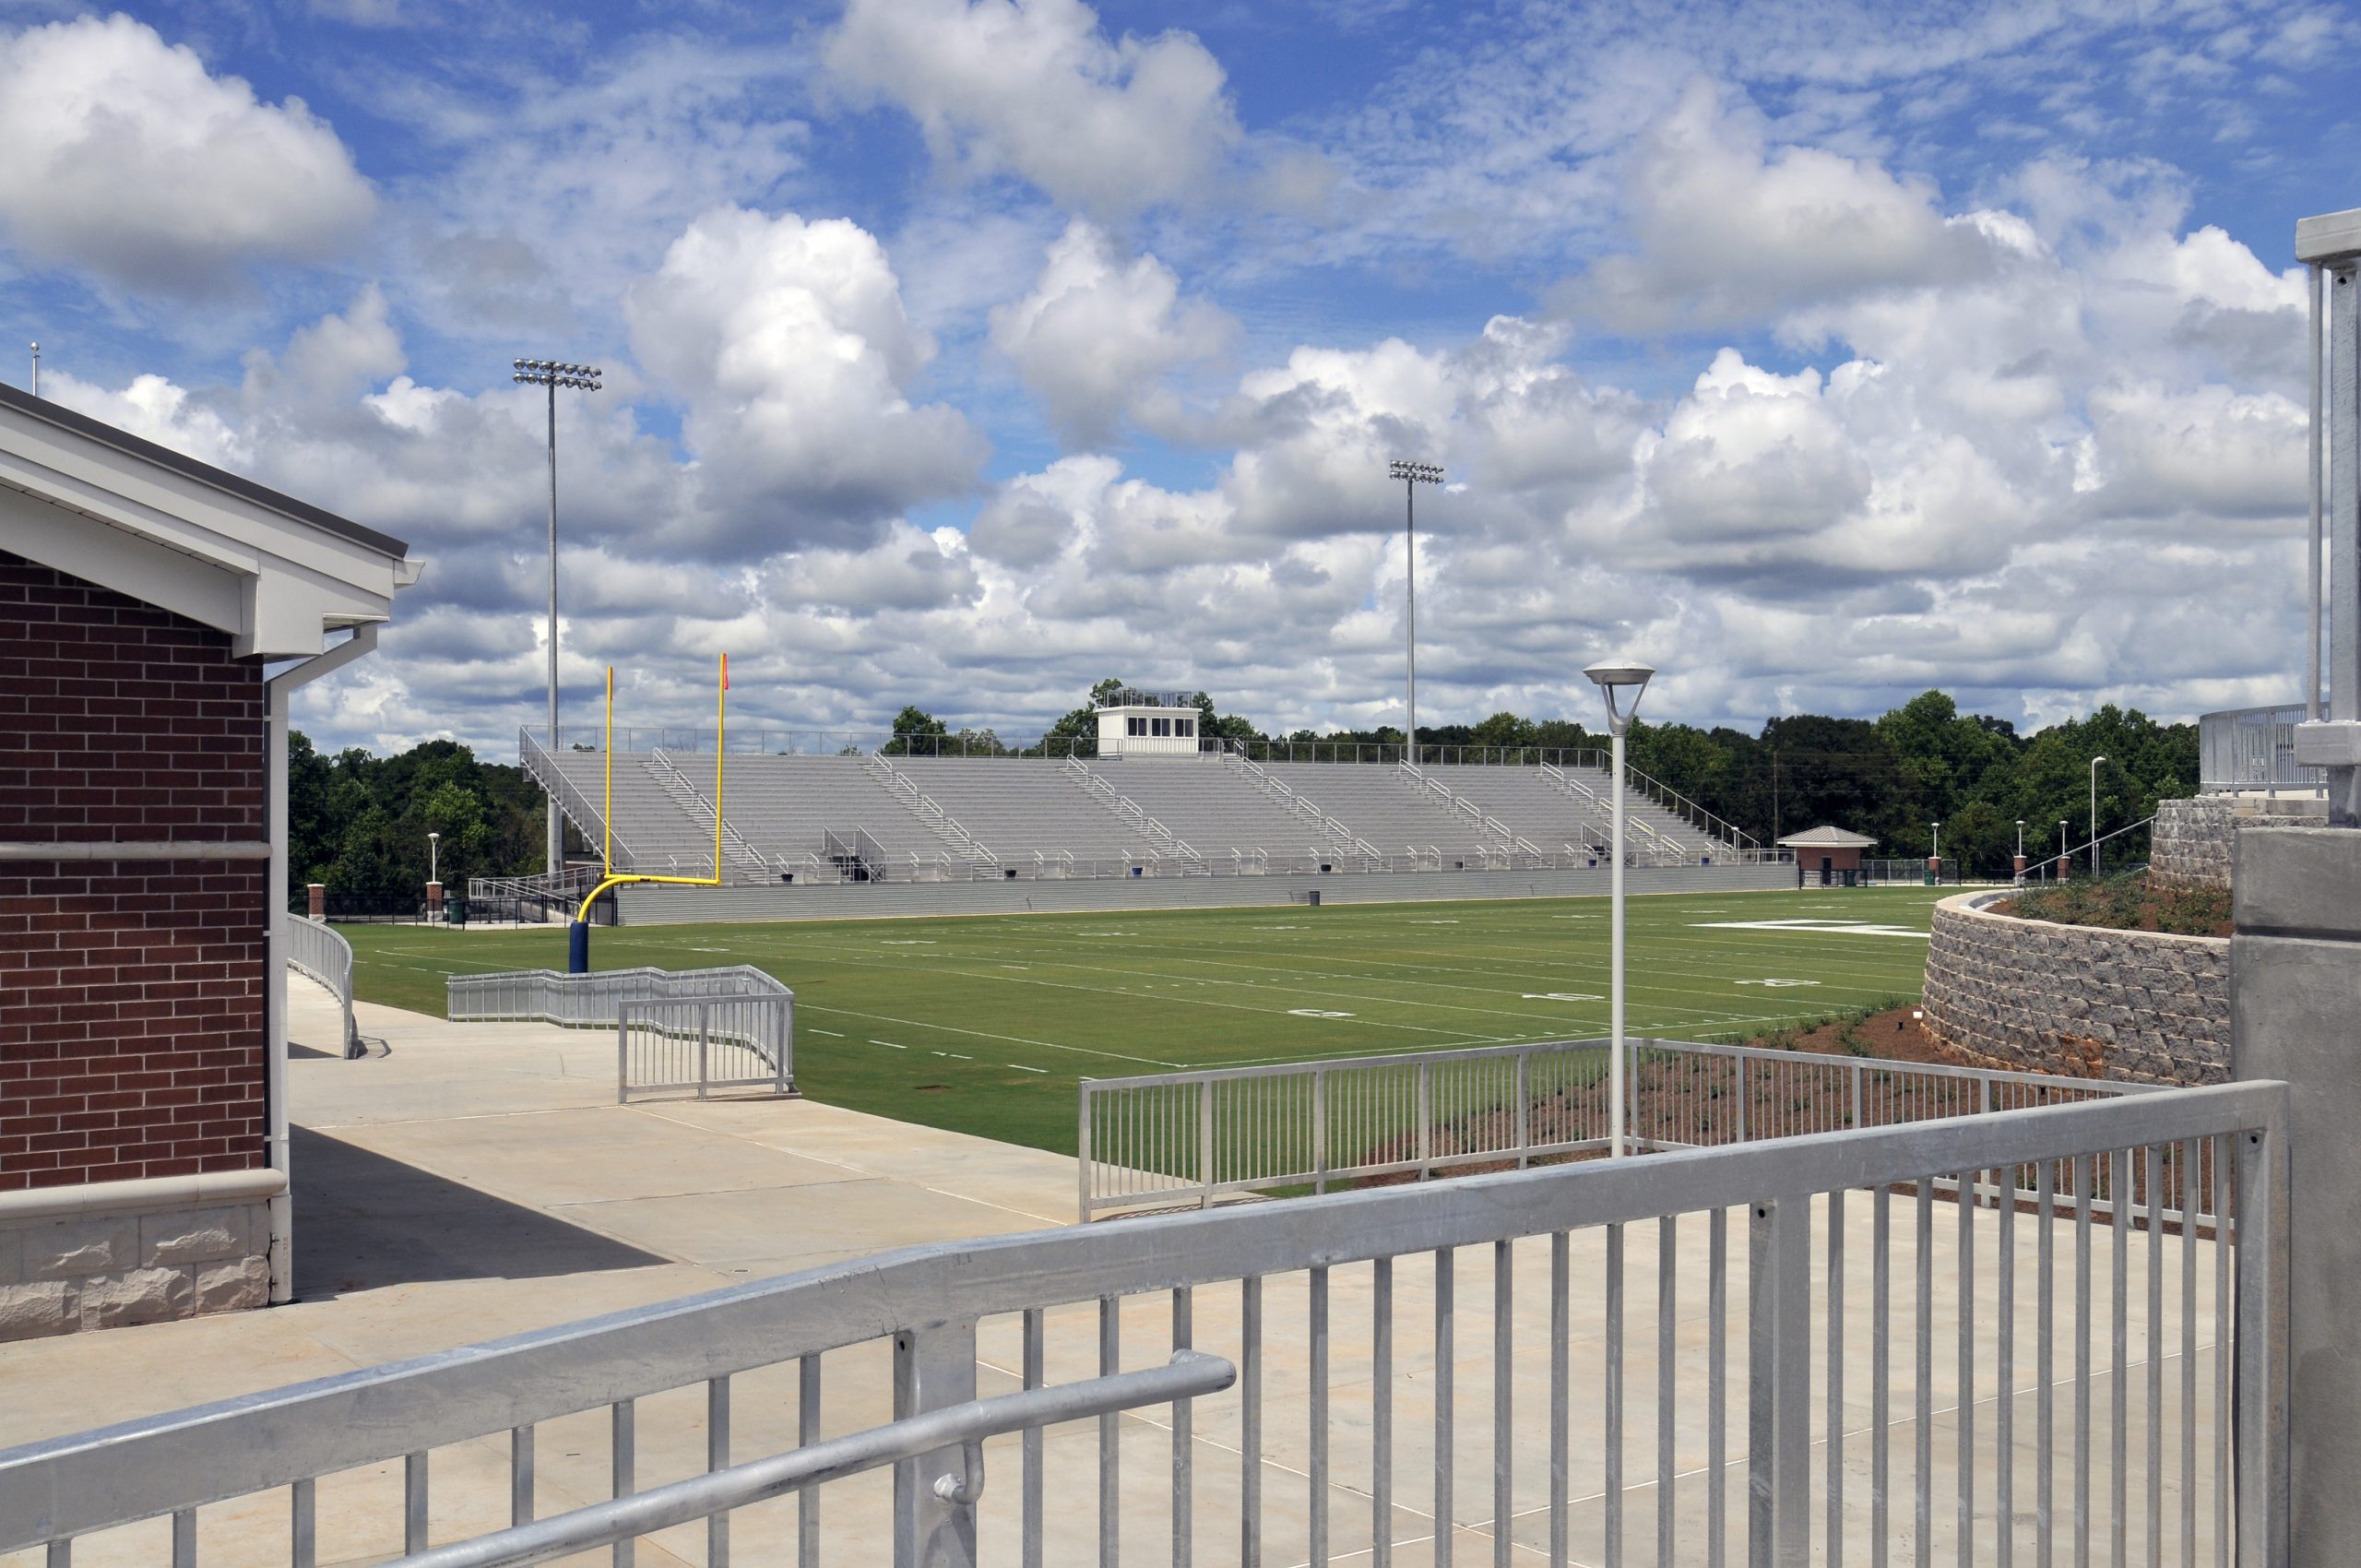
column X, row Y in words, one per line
column 554, row 374
column 2094, row 814
column 1614, row 677
column 1412, row 475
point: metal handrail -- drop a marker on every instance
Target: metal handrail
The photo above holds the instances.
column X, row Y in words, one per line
column 1190, row 1374
column 1138, row 1137
column 319, row 950
column 2068, row 857
column 543, row 767
column 173, row 1464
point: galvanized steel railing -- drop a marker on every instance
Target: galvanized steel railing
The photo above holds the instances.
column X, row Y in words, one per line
column 591, row 1001
column 1164, row 1140
column 659, row 1016
column 320, row 951
column 681, row 1045
column 2253, row 748
column 2056, row 1417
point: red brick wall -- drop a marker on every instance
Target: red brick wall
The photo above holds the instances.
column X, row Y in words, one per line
column 131, row 994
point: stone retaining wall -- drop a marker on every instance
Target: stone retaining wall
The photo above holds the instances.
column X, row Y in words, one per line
column 2079, row 1000
column 2194, row 840
column 65, row 1268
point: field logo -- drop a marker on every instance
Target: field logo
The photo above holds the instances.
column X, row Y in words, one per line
column 1824, row 928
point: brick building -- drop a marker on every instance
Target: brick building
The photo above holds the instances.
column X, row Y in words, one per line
column 146, row 600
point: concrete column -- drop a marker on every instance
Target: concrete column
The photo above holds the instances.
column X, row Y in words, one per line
column 318, row 906
column 2296, row 1015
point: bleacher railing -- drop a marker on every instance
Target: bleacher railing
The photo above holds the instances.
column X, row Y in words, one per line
column 681, row 1414
column 1164, row 1140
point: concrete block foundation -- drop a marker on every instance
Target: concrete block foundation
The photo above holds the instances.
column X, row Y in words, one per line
column 116, row 1252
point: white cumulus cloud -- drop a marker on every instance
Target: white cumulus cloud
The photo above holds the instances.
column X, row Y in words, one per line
column 125, row 157
column 1036, row 88
column 1097, row 332
column 786, row 343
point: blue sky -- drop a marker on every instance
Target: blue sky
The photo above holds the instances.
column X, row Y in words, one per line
column 963, row 353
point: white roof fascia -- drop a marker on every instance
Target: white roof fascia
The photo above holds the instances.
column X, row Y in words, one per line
column 275, row 581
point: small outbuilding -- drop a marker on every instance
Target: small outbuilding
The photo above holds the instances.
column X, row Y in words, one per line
column 1829, row 855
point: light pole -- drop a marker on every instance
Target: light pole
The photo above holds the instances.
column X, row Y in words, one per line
column 553, row 374
column 433, row 857
column 2094, row 814
column 1938, row 856
column 1412, row 475
column 2064, row 869
column 1613, row 676
column 2021, row 851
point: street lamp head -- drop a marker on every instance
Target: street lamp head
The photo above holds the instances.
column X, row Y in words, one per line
column 1614, row 677
column 1416, row 473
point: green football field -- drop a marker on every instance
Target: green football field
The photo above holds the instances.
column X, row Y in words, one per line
column 984, row 1023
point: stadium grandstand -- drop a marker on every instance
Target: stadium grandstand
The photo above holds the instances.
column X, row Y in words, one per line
column 1161, row 806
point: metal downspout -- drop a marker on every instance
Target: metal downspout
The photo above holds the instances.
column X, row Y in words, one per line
column 276, row 690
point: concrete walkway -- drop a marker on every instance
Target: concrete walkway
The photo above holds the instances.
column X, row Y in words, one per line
column 479, row 1179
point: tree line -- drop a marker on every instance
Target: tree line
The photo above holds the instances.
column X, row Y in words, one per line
column 359, row 823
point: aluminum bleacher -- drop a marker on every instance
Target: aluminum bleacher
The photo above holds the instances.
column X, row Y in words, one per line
column 1385, row 805
column 793, row 818
column 1021, row 809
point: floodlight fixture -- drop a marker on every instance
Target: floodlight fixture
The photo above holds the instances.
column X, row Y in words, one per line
column 1412, row 475
column 554, row 374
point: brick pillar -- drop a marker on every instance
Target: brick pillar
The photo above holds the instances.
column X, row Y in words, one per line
column 434, row 900
column 319, row 900
column 2294, row 1000
column 2021, row 868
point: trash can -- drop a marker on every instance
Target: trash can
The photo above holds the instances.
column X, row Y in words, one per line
column 1312, row 898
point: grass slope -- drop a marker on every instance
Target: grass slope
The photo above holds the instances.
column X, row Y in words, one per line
column 984, row 1023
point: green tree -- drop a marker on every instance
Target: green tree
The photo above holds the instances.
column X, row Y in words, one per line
column 916, row 732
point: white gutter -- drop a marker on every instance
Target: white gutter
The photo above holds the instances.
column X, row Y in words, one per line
column 282, row 1225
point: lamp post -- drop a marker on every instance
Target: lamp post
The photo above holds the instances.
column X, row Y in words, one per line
column 433, row 857
column 2063, row 868
column 2094, row 814
column 2021, row 851
column 1938, row 856
column 1412, row 475
column 553, row 374
column 1612, row 677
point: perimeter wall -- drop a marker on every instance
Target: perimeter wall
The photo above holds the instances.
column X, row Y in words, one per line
column 662, row 906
